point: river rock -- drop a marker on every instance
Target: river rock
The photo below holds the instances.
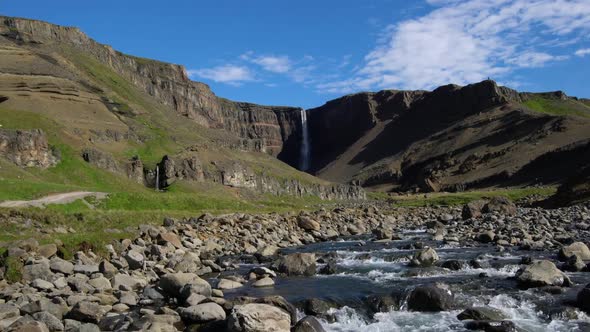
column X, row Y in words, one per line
column 202, row 313
column 24, row 325
column 424, row 258
column 308, row 324
column 224, row 284
column 264, row 282
column 297, row 264
column 257, row 317
column 53, row 323
column 541, row 273
column 172, row 283
column 308, row 224
column 430, row 298
column 87, row 312
column 134, row 259
column 37, row 271
column 486, row 237
column 501, row 205
column 473, row 209
column 482, row 313
column 47, row 250
column 577, row 248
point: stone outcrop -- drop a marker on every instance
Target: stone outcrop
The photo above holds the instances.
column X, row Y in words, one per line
column 271, row 129
column 27, row 148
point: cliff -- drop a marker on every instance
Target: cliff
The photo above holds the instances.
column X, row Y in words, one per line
column 451, row 138
column 270, row 129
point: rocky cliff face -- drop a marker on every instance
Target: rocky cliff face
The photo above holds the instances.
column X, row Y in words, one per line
column 271, row 129
column 452, row 138
column 27, row 148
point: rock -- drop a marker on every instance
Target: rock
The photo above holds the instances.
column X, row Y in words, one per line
column 28, row 326
column 202, row 313
column 430, row 298
column 125, row 282
column 308, row 324
column 42, row 284
column 381, row 303
column 473, row 209
column 482, row 313
column 37, row 271
column 501, row 205
column 577, row 248
column 308, row 224
column 541, row 273
column 329, row 269
column 486, row 237
column 297, row 264
column 53, row 323
column 47, row 250
column 107, row 269
column 8, row 311
column 172, row 283
column 317, row 307
column 267, row 251
column 583, row 298
column 453, row 265
column 491, row 326
column 424, row 258
column 134, row 259
column 228, row 284
column 62, row 266
column 383, row 233
column 86, row 269
column 256, row 317
column 171, row 238
column 100, row 283
column 87, row 312
column 574, row 264
column 264, row 282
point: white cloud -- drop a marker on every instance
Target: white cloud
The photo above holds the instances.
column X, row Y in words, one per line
column 230, row 74
column 583, row 52
column 466, row 41
column 276, row 64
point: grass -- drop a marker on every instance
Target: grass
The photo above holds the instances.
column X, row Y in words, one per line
column 453, row 199
column 557, row 106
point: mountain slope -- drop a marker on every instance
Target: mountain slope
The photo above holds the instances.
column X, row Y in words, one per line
column 120, row 123
column 452, row 138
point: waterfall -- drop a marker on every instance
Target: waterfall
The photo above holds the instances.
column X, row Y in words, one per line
column 304, row 158
column 157, row 177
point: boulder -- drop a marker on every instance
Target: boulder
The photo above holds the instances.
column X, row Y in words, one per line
column 430, row 299
column 501, row 205
column 53, row 323
column 172, row 283
column 202, row 313
column 169, row 237
column 308, row 324
column 264, row 282
column 134, row 259
column 47, row 250
column 37, row 271
column 25, row 325
column 424, row 258
column 575, row 249
column 257, row 317
column 297, row 264
column 473, row 209
column 482, row 313
column 88, row 312
column 224, row 284
column 308, row 224
column 486, row 237
column 541, row 273
column 383, row 233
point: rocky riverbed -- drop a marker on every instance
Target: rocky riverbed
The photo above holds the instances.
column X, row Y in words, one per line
column 488, row 266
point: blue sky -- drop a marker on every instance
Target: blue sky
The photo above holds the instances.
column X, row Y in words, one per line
column 303, row 53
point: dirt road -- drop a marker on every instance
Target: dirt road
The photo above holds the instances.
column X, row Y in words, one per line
column 63, row 198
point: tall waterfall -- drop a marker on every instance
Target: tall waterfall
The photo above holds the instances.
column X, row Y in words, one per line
column 305, row 152
column 157, row 177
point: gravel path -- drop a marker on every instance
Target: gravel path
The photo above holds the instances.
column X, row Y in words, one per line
column 63, row 198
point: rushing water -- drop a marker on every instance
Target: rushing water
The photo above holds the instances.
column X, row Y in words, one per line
column 305, row 150
column 371, row 268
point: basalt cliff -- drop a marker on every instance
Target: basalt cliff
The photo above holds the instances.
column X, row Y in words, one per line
column 453, row 138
